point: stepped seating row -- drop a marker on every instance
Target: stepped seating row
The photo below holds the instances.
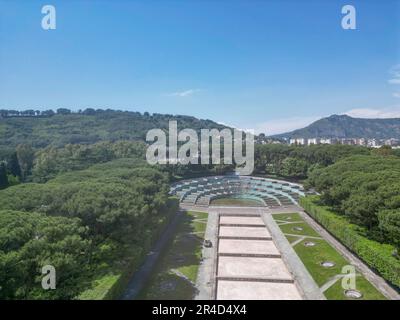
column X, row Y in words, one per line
column 271, row 192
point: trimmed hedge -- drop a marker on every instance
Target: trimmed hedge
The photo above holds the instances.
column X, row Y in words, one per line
column 377, row 255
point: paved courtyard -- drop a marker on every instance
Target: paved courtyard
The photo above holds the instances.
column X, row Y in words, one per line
column 250, row 259
column 253, row 290
column 244, row 232
column 224, row 275
column 249, row 264
column 247, row 247
column 241, row 220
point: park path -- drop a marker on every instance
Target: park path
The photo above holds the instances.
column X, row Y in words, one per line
column 215, row 280
column 140, row 277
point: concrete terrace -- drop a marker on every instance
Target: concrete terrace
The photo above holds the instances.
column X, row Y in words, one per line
column 272, row 193
column 247, row 261
column 251, row 267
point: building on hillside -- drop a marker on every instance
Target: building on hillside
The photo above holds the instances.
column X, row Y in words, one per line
column 325, row 141
column 392, row 142
column 348, row 141
column 361, row 141
column 298, row 141
column 314, row 141
column 372, row 143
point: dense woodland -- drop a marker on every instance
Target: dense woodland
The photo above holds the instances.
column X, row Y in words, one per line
column 366, row 189
column 93, row 208
column 87, row 222
column 360, row 183
column 85, row 127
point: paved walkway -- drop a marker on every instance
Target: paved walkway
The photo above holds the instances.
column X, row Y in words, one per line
column 140, row 277
column 205, row 282
column 246, row 260
column 301, row 275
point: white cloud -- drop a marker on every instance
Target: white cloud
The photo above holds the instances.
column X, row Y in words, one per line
column 184, row 93
column 396, row 94
column 235, row 127
column 394, row 81
column 276, row 126
column 395, row 74
column 393, row 112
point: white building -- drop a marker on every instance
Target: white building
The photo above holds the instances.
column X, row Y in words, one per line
column 314, row 141
column 298, row 141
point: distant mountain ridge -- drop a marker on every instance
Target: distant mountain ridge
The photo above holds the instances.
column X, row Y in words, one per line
column 344, row 126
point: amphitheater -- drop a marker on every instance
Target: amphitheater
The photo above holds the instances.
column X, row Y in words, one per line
column 272, row 193
column 247, row 259
column 248, row 255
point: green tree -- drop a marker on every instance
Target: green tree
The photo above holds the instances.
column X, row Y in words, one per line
column 383, row 151
column 3, row 176
column 389, row 223
column 25, row 155
column 292, row 167
column 29, row 241
column 13, row 165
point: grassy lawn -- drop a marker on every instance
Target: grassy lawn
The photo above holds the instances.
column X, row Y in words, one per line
column 291, row 239
column 370, row 293
column 306, row 229
column 175, row 274
column 313, row 256
column 288, row 217
column 322, row 251
column 236, row 202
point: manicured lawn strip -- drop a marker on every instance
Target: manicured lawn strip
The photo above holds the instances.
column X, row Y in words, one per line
column 377, row 255
column 284, row 217
column 336, row 292
column 199, row 226
column 168, row 286
column 292, row 239
column 176, row 271
column 101, row 287
column 236, row 202
column 323, row 251
column 313, row 256
column 307, row 230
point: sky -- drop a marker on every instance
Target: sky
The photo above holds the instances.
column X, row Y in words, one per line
column 271, row 66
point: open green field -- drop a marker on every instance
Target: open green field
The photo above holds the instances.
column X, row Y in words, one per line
column 312, row 257
column 175, row 274
column 236, row 202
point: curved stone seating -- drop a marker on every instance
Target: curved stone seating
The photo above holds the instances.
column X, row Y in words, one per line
column 271, row 192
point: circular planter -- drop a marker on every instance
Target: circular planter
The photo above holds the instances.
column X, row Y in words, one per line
column 353, row 294
column 327, row 264
column 309, row 244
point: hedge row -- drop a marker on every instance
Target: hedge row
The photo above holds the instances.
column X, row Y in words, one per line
column 377, row 255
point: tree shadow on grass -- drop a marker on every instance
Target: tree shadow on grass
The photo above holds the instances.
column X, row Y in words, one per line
column 175, row 273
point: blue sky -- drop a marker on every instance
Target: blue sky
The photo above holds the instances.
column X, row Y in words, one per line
column 267, row 65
